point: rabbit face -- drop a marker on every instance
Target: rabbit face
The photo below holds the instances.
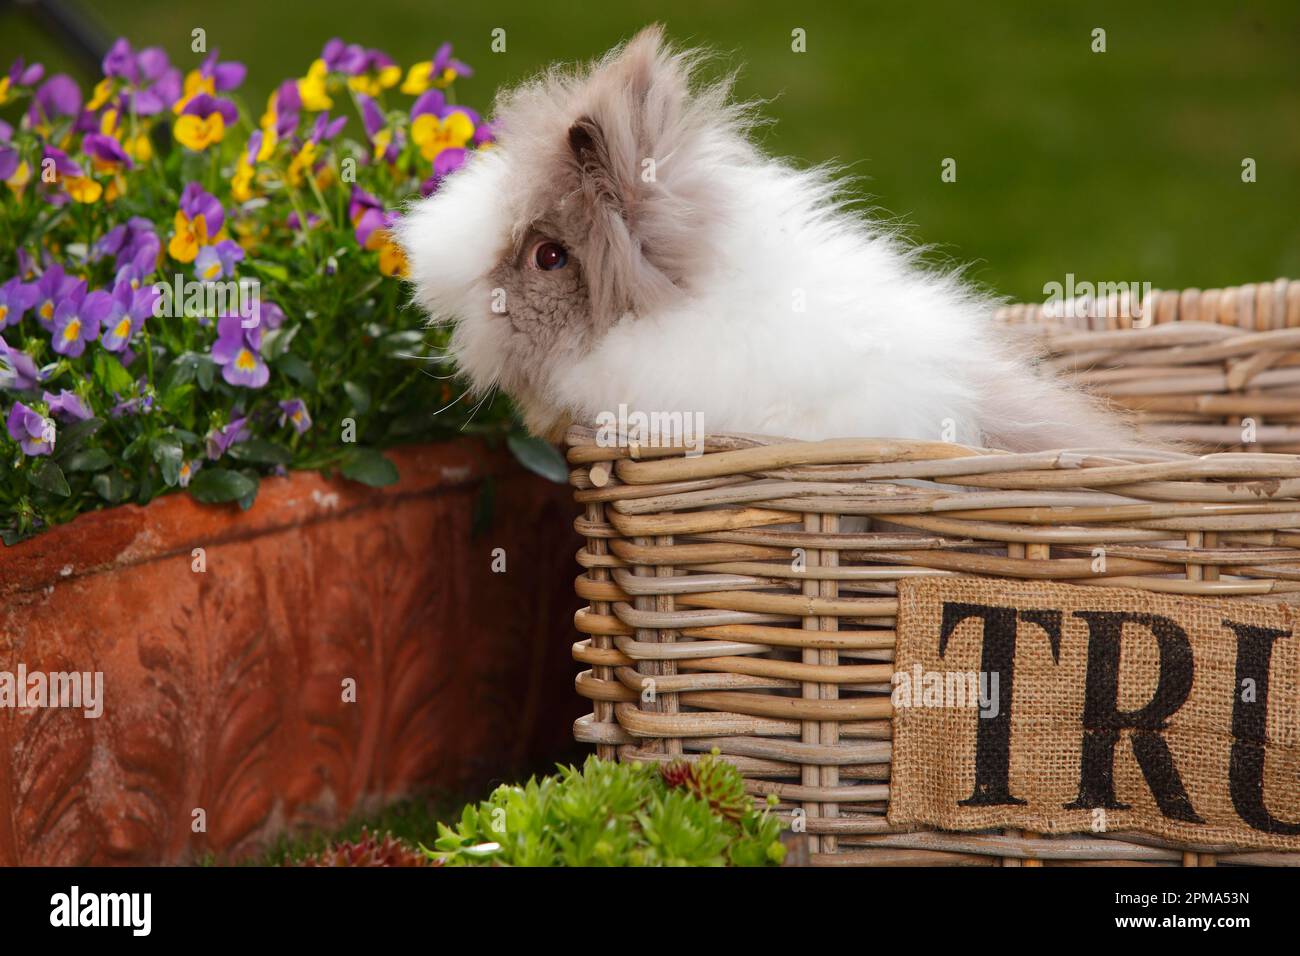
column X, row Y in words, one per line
column 594, row 206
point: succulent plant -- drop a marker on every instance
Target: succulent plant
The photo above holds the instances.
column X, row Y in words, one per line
column 712, row 780
column 369, row 849
column 617, row 814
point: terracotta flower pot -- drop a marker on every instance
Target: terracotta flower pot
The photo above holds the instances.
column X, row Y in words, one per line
column 226, row 715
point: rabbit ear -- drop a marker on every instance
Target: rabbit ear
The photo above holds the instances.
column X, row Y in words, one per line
column 640, row 181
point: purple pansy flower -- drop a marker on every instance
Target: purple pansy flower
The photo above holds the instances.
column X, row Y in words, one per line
column 10, row 159
column 204, row 106
column 372, row 117
column 51, row 289
column 430, row 101
column 294, row 222
column 286, row 105
column 374, row 121
column 63, row 164
column 371, row 225
column 217, row 261
column 237, row 351
column 220, row 439
column 188, row 468
column 68, row 406
column 294, row 411
column 105, row 150
column 343, row 57
column 33, row 431
column 20, row 74
column 120, row 61
column 18, row 372
column 444, row 164
column 443, row 59
column 77, row 319
column 352, row 58
column 57, row 96
column 325, row 128
column 448, row 161
column 195, row 201
column 129, row 308
column 132, row 243
column 153, row 63
column 225, row 76
column 161, row 84
column 254, row 147
column 268, row 315
column 360, row 201
column 366, row 212
column 16, row 297
column 140, row 405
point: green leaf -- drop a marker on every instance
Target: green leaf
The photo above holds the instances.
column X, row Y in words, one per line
column 246, row 501
column 187, row 367
column 48, row 476
column 167, row 452
column 148, row 487
column 369, row 467
column 296, row 369
column 206, row 371
column 110, row 374
column 271, row 270
column 215, row 485
column 71, row 437
column 539, row 457
column 359, row 396
column 111, row 486
column 89, row 459
column 175, row 398
column 261, row 451
column 277, row 341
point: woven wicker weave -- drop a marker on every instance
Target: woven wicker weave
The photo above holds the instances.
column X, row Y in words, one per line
column 687, row 571
column 1217, row 368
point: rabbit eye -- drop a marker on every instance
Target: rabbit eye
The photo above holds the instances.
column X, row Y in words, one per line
column 549, row 256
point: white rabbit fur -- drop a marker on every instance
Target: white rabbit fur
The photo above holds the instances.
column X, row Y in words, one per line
column 728, row 284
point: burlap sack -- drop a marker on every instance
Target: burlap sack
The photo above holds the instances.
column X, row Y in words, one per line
column 1102, row 683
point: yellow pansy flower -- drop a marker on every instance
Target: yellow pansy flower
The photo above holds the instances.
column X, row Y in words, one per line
column 372, row 84
column 392, row 260
column 116, row 187
column 19, row 179
column 83, row 189
column 195, row 83
column 191, row 236
column 242, row 182
column 417, row 78
column 140, row 149
column 199, row 132
column 433, row 135
column 103, row 90
column 304, row 160
column 312, row 88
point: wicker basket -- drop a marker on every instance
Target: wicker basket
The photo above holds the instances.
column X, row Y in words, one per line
column 1218, row 369
column 688, row 576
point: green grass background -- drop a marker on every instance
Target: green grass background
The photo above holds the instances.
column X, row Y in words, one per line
column 1123, row 165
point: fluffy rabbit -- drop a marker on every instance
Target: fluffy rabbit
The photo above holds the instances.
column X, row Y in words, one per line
column 625, row 243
